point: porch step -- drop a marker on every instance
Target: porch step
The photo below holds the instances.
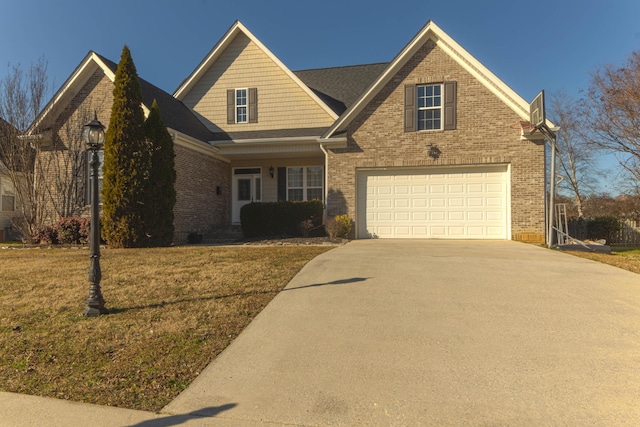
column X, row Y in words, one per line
column 224, row 235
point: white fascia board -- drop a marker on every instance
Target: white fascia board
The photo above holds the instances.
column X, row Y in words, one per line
column 72, row 85
column 196, row 145
column 219, row 48
column 270, row 145
column 457, row 53
column 209, row 59
column 287, row 140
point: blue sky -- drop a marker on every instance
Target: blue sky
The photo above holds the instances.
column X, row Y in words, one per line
column 530, row 45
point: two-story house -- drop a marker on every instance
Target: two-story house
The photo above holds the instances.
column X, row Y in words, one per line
column 427, row 145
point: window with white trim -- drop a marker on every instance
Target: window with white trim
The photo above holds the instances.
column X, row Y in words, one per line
column 241, row 106
column 305, row 183
column 7, row 196
column 430, row 107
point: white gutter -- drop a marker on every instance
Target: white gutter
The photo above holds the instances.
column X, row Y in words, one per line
column 326, row 183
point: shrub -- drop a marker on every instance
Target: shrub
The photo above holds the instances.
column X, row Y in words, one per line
column 280, row 218
column 45, row 234
column 73, row 230
column 603, row 227
column 339, row 226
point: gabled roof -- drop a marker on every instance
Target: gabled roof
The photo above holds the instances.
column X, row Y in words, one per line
column 456, row 52
column 237, row 28
column 175, row 114
column 340, row 87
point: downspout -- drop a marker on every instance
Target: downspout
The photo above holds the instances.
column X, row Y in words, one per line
column 326, row 182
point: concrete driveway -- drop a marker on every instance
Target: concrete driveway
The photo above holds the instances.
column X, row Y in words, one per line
column 391, row 332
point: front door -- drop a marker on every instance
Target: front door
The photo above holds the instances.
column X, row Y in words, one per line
column 247, row 188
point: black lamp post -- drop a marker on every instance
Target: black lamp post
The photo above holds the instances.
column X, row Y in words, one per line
column 94, row 138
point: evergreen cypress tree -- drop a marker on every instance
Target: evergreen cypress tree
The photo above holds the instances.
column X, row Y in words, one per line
column 126, row 160
column 160, row 194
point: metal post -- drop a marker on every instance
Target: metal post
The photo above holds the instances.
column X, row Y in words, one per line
column 95, row 301
column 552, row 189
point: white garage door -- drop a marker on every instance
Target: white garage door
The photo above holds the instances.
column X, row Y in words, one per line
column 451, row 203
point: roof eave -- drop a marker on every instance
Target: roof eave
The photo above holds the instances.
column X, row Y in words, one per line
column 455, row 51
column 219, row 48
column 78, row 77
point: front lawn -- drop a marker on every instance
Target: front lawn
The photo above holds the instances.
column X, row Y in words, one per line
column 627, row 258
column 172, row 311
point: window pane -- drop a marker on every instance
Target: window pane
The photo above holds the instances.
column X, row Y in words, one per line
column 244, row 189
column 8, row 203
column 314, row 194
column 241, row 114
column 295, row 194
column 241, row 97
column 314, row 176
column 258, row 192
column 429, row 119
column 294, row 177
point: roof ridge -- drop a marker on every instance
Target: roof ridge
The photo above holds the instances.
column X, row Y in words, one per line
column 342, row 66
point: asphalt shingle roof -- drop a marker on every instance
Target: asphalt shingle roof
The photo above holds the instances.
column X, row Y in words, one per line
column 174, row 113
column 340, row 87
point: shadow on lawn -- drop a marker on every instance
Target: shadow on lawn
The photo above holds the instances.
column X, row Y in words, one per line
column 174, row 420
column 116, row 310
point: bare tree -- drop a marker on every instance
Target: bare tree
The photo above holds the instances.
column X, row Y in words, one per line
column 65, row 166
column 576, row 163
column 22, row 97
column 613, row 112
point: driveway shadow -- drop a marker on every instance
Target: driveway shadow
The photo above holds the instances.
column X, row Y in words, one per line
column 174, row 420
column 335, row 282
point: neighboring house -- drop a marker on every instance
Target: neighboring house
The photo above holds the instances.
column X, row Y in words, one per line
column 7, row 190
column 7, row 202
column 425, row 146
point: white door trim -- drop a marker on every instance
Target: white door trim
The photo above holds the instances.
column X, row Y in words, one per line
column 246, row 184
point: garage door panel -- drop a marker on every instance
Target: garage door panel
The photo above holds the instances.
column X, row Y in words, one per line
column 422, row 204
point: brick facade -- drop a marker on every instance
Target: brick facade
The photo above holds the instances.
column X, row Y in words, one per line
column 484, row 135
column 199, row 208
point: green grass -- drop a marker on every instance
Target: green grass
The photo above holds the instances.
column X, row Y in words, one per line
column 625, row 257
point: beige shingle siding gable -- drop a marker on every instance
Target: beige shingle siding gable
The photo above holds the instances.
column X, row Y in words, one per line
column 282, row 103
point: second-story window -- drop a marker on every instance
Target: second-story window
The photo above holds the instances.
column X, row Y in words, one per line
column 241, row 106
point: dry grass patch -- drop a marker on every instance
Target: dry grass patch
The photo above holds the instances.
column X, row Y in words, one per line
column 172, row 311
column 627, row 258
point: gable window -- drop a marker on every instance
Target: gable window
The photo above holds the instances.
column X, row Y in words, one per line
column 100, row 175
column 242, row 106
column 305, row 183
column 7, row 196
column 430, row 106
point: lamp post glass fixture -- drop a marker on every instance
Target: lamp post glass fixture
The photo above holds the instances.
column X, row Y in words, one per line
column 94, row 138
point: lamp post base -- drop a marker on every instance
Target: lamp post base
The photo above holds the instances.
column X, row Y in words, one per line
column 94, row 311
